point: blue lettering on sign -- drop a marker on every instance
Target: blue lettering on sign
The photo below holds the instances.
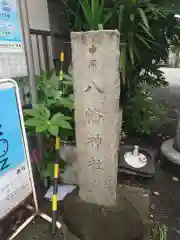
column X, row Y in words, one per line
column 12, row 153
column 3, row 151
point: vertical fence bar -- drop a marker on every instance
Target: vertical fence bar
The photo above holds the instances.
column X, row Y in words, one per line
column 46, row 52
column 38, row 52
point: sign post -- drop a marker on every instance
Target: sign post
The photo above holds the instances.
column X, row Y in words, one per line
column 16, row 178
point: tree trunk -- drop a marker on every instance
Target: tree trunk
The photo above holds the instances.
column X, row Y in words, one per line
column 177, row 136
column 95, row 57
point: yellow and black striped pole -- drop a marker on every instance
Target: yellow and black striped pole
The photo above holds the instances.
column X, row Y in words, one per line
column 56, row 164
column 61, row 68
column 55, row 187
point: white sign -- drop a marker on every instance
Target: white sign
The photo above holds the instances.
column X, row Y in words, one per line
column 15, row 168
column 12, row 53
column 10, row 27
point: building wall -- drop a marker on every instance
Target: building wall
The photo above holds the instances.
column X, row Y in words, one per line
column 39, row 20
column 38, row 14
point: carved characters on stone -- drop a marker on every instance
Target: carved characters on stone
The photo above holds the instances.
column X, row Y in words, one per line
column 95, row 141
column 93, row 65
column 95, row 164
column 94, row 115
column 96, row 87
column 92, row 49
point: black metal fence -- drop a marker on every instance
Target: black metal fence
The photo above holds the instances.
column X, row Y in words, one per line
column 41, row 44
column 46, row 52
column 46, row 49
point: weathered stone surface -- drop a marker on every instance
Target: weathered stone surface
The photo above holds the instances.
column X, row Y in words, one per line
column 70, row 173
column 140, row 198
column 95, row 58
column 92, row 222
column 169, row 152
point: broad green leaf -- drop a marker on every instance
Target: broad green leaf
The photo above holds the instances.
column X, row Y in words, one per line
column 68, row 83
column 50, row 102
column 31, row 122
column 53, row 129
column 44, row 111
column 67, row 102
column 42, row 128
column 144, row 18
column 57, row 95
column 58, row 117
column 54, row 80
column 64, row 124
column 143, row 40
column 49, row 93
column 31, row 112
column 67, row 77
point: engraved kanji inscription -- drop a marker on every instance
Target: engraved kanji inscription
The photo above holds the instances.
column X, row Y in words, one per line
column 96, row 182
column 95, row 141
column 94, row 84
column 94, row 115
column 95, row 164
column 92, row 49
column 93, row 64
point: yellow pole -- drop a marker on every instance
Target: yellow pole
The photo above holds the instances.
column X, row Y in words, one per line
column 56, row 164
column 61, row 70
column 55, row 187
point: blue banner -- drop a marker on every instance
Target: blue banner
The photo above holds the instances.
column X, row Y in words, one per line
column 12, row 154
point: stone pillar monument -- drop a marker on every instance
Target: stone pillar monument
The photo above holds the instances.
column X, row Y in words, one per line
column 95, row 57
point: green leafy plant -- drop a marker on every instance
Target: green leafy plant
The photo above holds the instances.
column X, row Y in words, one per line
column 141, row 115
column 95, row 13
column 53, row 92
column 145, row 29
column 40, row 118
column 52, row 116
column 136, row 22
column 159, row 232
column 88, row 15
column 57, row 97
